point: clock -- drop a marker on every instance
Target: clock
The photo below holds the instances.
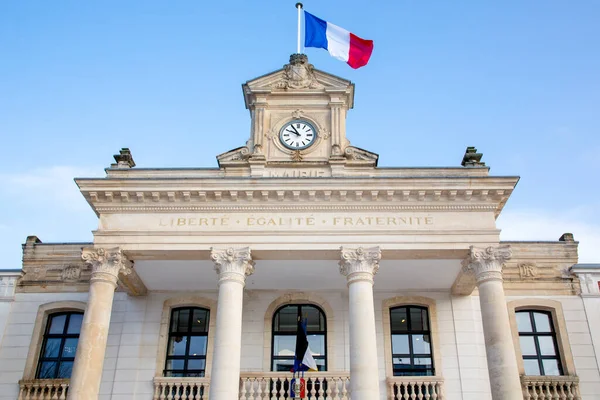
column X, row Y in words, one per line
column 298, row 134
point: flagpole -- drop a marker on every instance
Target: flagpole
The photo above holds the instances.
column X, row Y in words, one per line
column 299, row 7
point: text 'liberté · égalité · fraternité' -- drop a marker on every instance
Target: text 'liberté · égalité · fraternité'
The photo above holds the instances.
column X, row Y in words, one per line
column 296, row 221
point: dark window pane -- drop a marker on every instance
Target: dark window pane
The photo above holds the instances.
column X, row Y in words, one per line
column 418, row 319
column 182, row 320
column 421, row 344
column 423, row 362
column 288, row 319
column 70, row 347
column 177, row 345
column 401, row 362
column 196, row 364
column 400, row 344
column 399, row 320
column 551, row 367
column 313, row 318
column 175, row 364
column 175, row 374
column 57, row 324
column 547, row 345
column 531, row 367
column 542, row 322
column 197, row 346
column 524, row 322
column 200, row 320
column 65, row 369
column 320, row 364
column 75, row 323
column 47, row 370
column 284, row 345
column 52, row 349
column 283, row 365
column 527, row 346
column 316, row 343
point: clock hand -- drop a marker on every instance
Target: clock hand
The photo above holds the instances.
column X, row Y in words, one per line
column 295, row 131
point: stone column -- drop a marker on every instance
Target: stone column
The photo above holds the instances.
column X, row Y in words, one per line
column 232, row 266
column 500, row 349
column 359, row 266
column 87, row 370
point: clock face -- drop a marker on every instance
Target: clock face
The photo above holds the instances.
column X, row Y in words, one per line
column 297, row 135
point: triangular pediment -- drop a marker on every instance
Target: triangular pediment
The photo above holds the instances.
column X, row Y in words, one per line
column 298, row 76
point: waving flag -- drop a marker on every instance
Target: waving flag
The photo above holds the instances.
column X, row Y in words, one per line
column 340, row 43
column 303, row 359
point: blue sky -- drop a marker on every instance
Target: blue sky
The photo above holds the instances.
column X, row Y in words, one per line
column 518, row 79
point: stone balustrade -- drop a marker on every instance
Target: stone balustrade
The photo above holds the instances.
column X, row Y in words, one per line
column 550, row 388
column 181, row 388
column 43, row 389
column 276, row 385
column 416, row 388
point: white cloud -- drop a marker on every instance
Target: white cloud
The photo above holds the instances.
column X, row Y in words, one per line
column 52, row 183
column 544, row 225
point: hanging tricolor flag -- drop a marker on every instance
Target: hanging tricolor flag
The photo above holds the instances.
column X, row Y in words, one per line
column 340, row 43
column 303, row 359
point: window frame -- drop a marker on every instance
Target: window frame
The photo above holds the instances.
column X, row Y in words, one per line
column 410, row 333
column 274, row 333
column 555, row 309
column 536, row 335
column 63, row 336
column 189, row 334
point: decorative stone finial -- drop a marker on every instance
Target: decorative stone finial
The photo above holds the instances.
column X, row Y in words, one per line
column 359, row 264
column 487, row 263
column 124, row 159
column 472, row 158
column 233, row 264
column 567, row 237
column 298, row 74
column 106, row 264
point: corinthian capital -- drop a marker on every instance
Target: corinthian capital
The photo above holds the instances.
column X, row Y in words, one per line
column 359, row 264
column 106, row 264
column 487, row 263
column 233, row 264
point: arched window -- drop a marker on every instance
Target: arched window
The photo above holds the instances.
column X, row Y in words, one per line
column 538, row 343
column 411, row 341
column 285, row 327
column 59, row 345
column 188, row 337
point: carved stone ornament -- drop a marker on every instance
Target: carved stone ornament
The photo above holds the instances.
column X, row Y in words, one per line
column 298, row 74
column 106, row 264
column 487, row 263
column 232, row 264
column 296, row 156
column 71, row 273
column 235, row 155
column 356, row 154
column 528, row 270
column 297, row 113
column 359, row 264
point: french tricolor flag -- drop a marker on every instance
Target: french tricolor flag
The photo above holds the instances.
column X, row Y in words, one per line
column 340, row 43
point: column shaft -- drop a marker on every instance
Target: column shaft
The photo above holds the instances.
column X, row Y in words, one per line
column 89, row 359
column 359, row 266
column 501, row 358
column 232, row 266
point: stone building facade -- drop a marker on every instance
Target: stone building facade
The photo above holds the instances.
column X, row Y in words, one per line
column 195, row 279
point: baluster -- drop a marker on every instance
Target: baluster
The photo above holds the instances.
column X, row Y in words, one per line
column 36, row 387
column 435, row 389
column 555, row 391
column 404, row 385
column 260, row 388
column 162, row 391
column 321, row 391
column 428, row 387
column 28, row 395
column 170, row 391
column 273, row 383
column 329, row 390
column 390, row 391
column 54, row 390
column 542, row 395
column 281, row 391
column 343, row 388
column 534, row 390
column 419, row 391
column 243, row 388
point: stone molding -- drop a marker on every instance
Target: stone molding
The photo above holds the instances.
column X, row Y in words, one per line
column 39, row 327
column 232, row 264
column 486, row 263
column 106, row 264
column 422, row 301
column 359, row 264
column 298, row 298
column 165, row 321
column 560, row 327
column 8, row 284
